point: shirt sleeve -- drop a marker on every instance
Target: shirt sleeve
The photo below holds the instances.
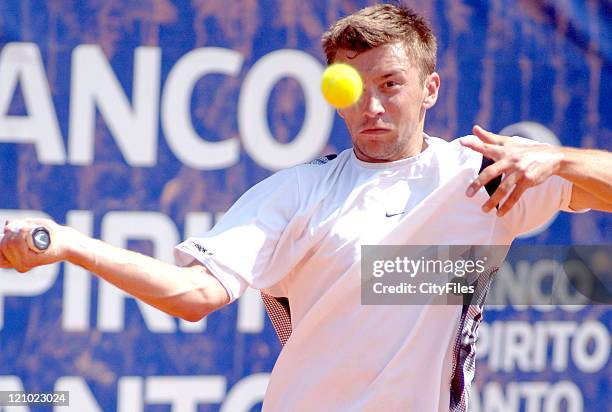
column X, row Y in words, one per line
column 241, row 250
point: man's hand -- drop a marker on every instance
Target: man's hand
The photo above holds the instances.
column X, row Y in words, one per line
column 523, row 165
column 15, row 251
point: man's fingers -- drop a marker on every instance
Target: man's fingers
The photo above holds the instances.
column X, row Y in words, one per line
column 488, row 150
column 4, row 263
column 486, row 136
column 475, row 145
column 504, row 189
column 488, row 174
column 15, row 249
column 512, row 199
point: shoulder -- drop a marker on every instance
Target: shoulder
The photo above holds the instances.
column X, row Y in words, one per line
column 322, row 166
column 326, row 162
column 323, row 160
column 318, row 177
column 453, row 153
column 315, row 170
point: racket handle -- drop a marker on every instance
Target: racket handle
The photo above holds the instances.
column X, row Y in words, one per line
column 39, row 239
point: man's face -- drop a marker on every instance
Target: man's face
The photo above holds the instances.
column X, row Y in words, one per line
column 387, row 122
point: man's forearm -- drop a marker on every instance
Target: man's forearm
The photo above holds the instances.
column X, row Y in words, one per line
column 188, row 292
column 590, row 170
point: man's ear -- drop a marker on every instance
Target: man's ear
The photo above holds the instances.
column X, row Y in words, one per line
column 431, row 86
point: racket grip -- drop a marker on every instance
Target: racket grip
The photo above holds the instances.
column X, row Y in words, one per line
column 39, row 239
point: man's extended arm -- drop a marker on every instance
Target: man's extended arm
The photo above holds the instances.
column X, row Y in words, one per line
column 591, row 173
column 187, row 292
column 527, row 165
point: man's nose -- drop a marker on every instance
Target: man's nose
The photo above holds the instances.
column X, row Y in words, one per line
column 372, row 104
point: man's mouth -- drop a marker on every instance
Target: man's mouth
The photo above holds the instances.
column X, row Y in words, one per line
column 374, row 130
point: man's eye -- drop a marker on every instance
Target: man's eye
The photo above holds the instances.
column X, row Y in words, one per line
column 391, row 83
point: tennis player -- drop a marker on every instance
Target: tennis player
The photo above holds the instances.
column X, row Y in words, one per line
column 297, row 235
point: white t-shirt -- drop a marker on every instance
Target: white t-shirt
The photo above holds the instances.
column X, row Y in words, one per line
column 298, row 234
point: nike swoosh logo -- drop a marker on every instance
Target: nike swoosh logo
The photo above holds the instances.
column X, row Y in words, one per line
column 394, row 214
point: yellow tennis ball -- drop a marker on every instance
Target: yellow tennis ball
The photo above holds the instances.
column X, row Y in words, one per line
column 341, row 85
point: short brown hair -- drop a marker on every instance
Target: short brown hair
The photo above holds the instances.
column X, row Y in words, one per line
column 379, row 25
